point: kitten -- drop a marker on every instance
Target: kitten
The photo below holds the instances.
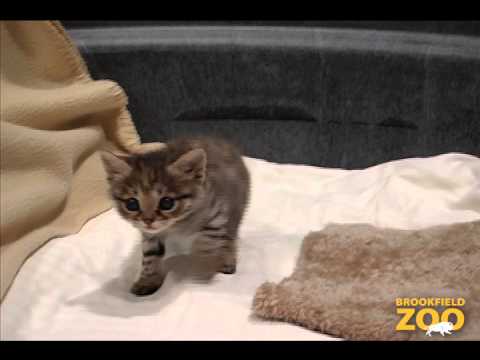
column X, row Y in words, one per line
column 193, row 188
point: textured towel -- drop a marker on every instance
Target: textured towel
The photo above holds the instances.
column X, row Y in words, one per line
column 54, row 119
column 348, row 277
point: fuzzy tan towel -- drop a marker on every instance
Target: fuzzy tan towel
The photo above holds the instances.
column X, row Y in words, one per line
column 54, row 119
column 348, row 277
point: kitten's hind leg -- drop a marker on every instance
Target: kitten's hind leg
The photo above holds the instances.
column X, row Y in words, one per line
column 152, row 274
column 220, row 249
column 229, row 256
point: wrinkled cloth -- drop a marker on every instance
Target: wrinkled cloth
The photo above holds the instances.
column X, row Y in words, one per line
column 77, row 287
column 54, row 120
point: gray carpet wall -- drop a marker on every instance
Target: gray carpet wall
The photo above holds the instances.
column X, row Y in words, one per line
column 328, row 97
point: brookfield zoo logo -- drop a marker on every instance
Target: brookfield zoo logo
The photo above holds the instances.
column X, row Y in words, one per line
column 450, row 319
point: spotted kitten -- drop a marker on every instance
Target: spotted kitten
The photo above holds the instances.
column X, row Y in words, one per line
column 193, row 189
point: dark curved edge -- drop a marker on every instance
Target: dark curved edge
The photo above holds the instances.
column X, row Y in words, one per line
column 320, row 96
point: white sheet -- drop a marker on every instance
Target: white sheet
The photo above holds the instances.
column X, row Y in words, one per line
column 77, row 287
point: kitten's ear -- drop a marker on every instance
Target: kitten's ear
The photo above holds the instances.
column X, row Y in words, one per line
column 116, row 165
column 190, row 166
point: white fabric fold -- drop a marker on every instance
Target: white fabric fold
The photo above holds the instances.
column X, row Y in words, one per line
column 76, row 287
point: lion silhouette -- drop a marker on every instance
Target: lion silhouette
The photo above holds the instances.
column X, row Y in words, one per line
column 441, row 327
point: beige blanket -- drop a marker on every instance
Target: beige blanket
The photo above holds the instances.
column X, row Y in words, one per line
column 54, row 119
column 348, row 278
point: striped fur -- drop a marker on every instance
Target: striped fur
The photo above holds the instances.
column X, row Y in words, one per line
column 210, row 184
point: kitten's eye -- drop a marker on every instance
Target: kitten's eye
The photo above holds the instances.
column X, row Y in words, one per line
column 166, row 203
column 132, row 204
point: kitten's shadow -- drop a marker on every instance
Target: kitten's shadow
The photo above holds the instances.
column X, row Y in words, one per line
column 114, row 298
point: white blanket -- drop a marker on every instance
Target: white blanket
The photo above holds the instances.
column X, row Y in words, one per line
column 76, row 287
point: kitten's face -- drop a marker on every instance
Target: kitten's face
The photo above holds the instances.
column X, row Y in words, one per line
column 152, row 194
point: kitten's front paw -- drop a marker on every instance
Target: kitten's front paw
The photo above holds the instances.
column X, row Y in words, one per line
column 228, row 269
column 143, row 288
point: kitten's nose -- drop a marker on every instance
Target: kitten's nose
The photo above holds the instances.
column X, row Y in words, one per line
column 148, row 221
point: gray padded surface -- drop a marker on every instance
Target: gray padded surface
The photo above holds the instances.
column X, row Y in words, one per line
column 325, row 97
